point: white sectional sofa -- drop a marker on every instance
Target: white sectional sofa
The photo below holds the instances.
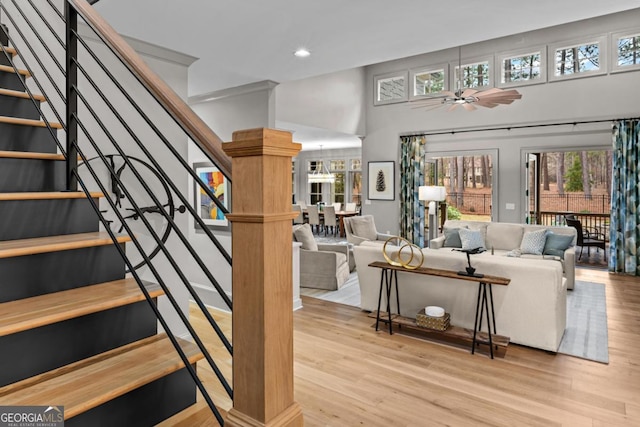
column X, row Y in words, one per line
column 505, row 237
column 531, row 310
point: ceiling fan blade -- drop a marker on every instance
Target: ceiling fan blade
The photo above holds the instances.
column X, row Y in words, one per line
column 489, row 92
column 468, row 107
column 468, row 92
column 487, row 104
column 433, row 107
column 453, row 107
column 425, row 104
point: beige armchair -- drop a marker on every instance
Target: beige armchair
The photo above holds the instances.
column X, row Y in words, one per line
column 322, row 266
column 363, row 228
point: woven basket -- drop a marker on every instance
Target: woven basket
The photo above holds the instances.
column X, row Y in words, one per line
column 436, row 323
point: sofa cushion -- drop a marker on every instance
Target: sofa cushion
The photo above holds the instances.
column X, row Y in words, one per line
column 556, row 244
column 504, row 236
column 452, row 238
column 364, row 227
column 533, row 242
column 471, row 239
column 304, row 235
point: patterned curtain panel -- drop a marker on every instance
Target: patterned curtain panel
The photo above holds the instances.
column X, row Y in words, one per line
column 412, row 177
column 624, row 236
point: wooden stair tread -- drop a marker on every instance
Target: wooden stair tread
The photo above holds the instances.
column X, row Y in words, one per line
column 38, row 245
column 28, row 122
column 11, row 50
column 9, row 69
column 46, row 195
column 28, row 313
column 18, row 94
column 91, row 382
column 30, row 155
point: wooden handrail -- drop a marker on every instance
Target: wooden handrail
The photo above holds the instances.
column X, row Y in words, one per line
column 192, row 124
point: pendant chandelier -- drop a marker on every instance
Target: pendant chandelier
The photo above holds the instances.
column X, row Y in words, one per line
column 321, row 175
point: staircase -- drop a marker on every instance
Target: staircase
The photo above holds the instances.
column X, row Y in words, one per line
column 74, row 331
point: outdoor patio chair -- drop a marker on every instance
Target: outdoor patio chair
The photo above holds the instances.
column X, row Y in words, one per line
column 587, row 238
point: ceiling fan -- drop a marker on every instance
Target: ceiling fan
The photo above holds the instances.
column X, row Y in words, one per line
column 470, row 98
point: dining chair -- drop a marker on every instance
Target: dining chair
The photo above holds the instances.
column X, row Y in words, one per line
column 337, row 205
column 302, row 204
column 300, row 218
column 314, row 218
column 351, row 207
column 330, row 220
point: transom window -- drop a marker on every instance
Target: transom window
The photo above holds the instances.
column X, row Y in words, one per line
column 474, row 75
column 628, row 51
column 427, row 81
column 337, row 165
column 390, row 88
column 521, row 68
column 577, row 59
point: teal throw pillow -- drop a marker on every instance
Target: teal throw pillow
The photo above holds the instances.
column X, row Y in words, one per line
column 533, row 242
column 556, row 244
column 452, row 238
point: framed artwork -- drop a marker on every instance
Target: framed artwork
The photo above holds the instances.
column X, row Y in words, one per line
column 206, row 208
column 382, row 181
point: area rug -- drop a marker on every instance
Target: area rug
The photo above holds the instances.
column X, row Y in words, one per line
column 349, row 292
column 586, row 335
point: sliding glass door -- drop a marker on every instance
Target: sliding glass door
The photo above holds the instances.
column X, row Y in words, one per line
column 468, row 178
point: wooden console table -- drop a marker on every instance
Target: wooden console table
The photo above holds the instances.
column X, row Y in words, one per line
column 389, row 276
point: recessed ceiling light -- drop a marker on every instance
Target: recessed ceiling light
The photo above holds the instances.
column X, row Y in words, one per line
column 302, row 53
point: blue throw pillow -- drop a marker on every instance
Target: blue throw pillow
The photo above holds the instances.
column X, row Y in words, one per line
column 556, row 244
column 452, row 238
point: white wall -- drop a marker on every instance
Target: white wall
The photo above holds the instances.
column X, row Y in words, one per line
column 333, row 101
column 245, row 107
column 598, row 97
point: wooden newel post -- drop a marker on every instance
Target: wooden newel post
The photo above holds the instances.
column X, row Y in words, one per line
column 262, row 279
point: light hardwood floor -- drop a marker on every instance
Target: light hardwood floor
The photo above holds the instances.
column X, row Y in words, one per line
column 346, row 374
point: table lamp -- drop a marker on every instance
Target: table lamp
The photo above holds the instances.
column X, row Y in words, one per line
column 432, row 194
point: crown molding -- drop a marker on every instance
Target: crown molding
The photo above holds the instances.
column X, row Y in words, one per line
column 233, row 91
column 144, row 48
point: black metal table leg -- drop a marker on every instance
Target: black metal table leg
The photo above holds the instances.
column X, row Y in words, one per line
column 395, row 277
column 383, row 273
column 493, row 314
column 389, row 285
column 486, row 303
column 475, row 325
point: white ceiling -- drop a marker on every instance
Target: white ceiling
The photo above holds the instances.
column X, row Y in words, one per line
column 244, row 41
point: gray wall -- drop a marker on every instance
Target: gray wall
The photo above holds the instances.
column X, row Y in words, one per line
column 597, row 97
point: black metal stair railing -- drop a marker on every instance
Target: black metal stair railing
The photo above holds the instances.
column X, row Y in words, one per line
column 91, row 109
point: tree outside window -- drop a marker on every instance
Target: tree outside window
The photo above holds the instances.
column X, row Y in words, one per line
column 577, row 59
column 521, row 68
column 629, row 51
